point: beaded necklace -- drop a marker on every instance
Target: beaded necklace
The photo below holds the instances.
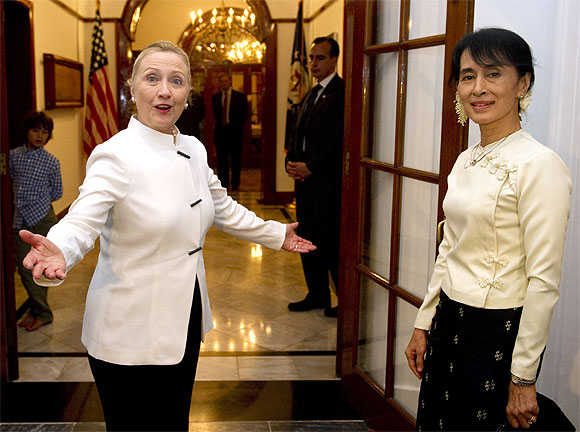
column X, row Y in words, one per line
column 479, row 152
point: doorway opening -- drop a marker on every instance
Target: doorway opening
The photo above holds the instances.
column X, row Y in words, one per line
column 18, row 97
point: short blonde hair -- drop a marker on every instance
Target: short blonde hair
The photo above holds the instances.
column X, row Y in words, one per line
column 161, row 46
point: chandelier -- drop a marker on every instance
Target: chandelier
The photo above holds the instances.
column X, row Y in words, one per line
column 221, row 36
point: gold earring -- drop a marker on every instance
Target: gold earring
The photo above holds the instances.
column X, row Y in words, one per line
column 461, row 116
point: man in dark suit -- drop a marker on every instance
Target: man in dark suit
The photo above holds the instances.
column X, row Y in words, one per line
column 230, row 109
column 314, row 160
column 189, row 123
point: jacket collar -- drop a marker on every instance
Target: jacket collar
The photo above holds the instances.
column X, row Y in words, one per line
column 151, row 134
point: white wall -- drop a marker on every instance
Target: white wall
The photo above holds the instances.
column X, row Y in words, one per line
column 285, row 41
column 61, row 40
column 70, row 38
column 551, row 29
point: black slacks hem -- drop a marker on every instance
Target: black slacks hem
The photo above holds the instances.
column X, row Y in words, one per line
column 151, row 397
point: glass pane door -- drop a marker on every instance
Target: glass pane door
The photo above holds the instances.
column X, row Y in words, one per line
column 399, row 149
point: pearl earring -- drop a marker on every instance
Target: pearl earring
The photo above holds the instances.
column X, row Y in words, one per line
column 133, row 100
column 186, row 105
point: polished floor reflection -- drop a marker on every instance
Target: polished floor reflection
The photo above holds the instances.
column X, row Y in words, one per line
column 249, row 288
column 255, row 339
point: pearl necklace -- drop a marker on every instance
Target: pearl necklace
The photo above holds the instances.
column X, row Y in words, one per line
column 479, row 152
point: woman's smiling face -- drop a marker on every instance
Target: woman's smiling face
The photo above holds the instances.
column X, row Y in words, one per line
column 160, row 89
column 490, row 93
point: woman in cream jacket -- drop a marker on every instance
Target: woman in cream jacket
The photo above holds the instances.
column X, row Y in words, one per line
column 483, row 325
column 151, row 198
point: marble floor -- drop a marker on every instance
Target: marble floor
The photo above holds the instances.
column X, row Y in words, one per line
column 254, row 335
column 255, row 338
column 262, row 368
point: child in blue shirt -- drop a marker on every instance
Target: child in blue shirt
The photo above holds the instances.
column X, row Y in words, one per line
column 36, row 182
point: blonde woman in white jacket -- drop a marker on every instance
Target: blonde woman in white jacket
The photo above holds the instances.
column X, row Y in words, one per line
column 483, row 325
column 151, row 197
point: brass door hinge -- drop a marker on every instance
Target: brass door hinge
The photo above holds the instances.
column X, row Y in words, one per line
column 3, row 169
column 347, row 163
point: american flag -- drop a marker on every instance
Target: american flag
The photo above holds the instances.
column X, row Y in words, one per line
column 299, row 83
column 100, row 112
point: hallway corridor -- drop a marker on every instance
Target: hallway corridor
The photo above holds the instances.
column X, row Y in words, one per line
column 261, row 365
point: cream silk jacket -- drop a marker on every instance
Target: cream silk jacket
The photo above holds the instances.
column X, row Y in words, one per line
column 506, row 219
column 152, row 203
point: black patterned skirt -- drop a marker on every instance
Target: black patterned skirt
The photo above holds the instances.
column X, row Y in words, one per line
column 467, row 367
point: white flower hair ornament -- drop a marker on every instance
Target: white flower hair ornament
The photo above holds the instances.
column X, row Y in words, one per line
column 525, row 101
column 461, row 115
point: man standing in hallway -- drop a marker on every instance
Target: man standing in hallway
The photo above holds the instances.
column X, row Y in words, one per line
column 191, row 119
column 314, row 160
column 230, row 109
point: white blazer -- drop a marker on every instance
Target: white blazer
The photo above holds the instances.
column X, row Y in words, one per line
column 151, row 202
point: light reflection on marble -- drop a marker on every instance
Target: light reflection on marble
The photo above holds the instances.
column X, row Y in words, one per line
column 210, row 368
column 249, row 298
column 267, row 369
column 217, row 369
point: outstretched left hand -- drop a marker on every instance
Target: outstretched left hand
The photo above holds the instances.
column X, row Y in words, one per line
column 294, row 243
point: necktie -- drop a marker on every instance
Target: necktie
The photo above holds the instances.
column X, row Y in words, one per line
column 304, row 118
column 225, row 109
column 312, row 98
column 309, row 103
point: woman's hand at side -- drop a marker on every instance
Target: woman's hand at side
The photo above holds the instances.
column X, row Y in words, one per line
column 415, row 351
column 294, row 243
column 45, row 258
column 522, row 408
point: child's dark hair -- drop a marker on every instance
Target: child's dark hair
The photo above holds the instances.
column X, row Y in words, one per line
column 34, row 119
column 494, row 47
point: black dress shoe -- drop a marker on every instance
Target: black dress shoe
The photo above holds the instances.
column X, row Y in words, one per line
column 306, row 305
column 331, row 312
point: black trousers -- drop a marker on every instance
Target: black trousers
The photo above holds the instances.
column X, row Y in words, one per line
column 37, row 302
column 319, row 222
column 229, row 153
column 151, row 397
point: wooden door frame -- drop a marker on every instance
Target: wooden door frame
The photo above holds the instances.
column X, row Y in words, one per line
column 8, row 335
column 378, row 407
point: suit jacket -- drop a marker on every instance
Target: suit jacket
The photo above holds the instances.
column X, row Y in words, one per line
column 189, row 123
column 238, row 110
column 321, row 147
column 152, row 208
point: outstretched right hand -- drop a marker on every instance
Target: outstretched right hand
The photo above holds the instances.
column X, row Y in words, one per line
column 45, row 258
column 415, row 351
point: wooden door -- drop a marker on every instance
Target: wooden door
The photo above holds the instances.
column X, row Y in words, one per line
column 399, row 150
column 17, row 97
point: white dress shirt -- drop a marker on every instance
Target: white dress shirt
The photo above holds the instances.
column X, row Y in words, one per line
column 506, row 220
column 143, row 199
